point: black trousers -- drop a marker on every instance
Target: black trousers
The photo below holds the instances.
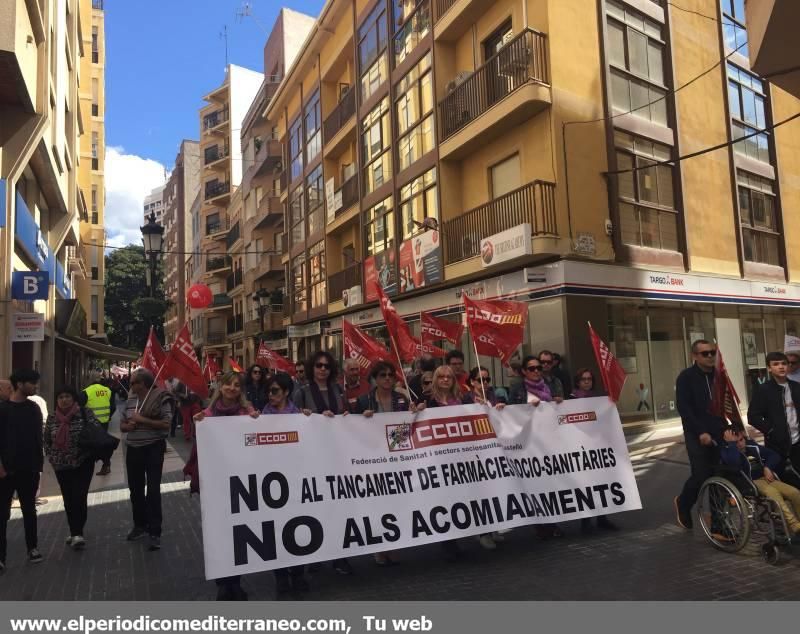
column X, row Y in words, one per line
column 26, row 485
column 702, row 461
column 292, row 571
column 74, row 485
column 144, row 466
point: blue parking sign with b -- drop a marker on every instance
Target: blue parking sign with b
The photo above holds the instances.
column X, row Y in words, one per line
column 30, row 285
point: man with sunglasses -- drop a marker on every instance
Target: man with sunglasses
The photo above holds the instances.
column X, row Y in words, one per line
column 702, row 430
column 775, row 411
column 547, row 361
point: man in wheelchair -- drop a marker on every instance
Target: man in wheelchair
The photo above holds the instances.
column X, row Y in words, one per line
column 760, row 465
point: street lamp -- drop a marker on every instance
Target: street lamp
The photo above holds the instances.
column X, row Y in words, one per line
column 259, row 297
column 153, row 241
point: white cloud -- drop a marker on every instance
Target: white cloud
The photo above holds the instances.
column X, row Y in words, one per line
column 129, row 178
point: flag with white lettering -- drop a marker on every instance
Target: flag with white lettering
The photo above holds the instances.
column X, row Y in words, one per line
column 182, row 364
column 408, row 347
column 611, row 371
column 153, row 356
column 363, row 348
column 274, row 360
column 497, row 326
column 437, row 329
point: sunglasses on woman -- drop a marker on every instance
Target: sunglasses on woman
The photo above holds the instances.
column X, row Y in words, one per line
column 386, row 375
column 275, row 391
column 322, row 366
column 428, row 382
column 533, row 368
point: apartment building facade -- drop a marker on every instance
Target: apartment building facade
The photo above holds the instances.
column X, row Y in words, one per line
column 531, row 150
column 220, row 210
column 179, row 194
column 42, row 187
column 154, row 204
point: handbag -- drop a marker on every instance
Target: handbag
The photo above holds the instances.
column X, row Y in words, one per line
column 95, row 440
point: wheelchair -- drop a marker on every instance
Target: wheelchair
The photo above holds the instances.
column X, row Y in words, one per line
column 731, row 511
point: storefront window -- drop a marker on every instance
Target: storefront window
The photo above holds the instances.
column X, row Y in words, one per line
column 628, row 341
column 667, row 355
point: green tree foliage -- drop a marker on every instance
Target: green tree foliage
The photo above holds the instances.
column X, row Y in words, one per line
column 128, row 299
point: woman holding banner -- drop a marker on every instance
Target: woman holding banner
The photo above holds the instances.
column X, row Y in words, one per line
column 227, row 400
column 584, row 388
column 323, row 395
column 481, row 390
column 533, row 390
column 279, row 388
column 383, row 398
column 445, row 390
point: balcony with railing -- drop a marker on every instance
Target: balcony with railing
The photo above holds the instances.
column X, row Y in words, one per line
column 233, row 281
column 268, row 157
column 336, row 120
column 235, row 324
column 269, row 212
column 221, row 300
column 533, row 203
column 343, row 280
column 233, row 235
column 218, row 263
column 215, row 153
column 343, row 199
column 269, row 264
column 215, row 119
column 216, row 225
column 216, row 338
column 216, row 189
column 513, row 83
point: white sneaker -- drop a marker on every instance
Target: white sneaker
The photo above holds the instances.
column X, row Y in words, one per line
column 68, row 540
column 78, row 543
column 487, row 542
column 499, row 536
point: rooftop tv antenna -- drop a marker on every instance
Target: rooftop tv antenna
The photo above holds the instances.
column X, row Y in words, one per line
column 223, row 35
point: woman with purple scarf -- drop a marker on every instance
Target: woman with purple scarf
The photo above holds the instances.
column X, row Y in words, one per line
column 584, row 388
column 533, row 390
column 228, row 400
column 279, row 388
column 73, row 466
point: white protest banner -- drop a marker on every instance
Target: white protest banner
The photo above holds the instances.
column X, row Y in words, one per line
column 287, row 490
column 791, row 343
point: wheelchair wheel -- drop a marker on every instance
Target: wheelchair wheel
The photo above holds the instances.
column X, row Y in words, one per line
column 724, row 515
column 771, row 553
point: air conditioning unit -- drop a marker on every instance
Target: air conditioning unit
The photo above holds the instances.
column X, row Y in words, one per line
column 459, row 79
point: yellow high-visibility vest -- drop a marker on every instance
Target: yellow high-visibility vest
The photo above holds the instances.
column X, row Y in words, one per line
column 99, row 401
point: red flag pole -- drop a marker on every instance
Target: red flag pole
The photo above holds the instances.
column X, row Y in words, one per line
column 151, row 387
column 411, row 394
column 475, row 345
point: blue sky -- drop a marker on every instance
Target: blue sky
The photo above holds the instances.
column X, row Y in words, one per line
column 161, row 58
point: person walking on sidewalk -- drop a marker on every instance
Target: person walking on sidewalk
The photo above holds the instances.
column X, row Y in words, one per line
column 146, row 420
column 775, row 411
column 701, row 429
column 73, row 466
column 100, row 399
column 228, row 400
column 21, row 460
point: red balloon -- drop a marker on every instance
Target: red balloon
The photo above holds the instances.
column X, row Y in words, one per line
column 199, row 296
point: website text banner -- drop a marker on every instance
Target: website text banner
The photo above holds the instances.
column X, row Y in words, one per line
column 287, row 490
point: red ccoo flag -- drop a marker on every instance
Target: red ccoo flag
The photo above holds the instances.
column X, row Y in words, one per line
column 436, row 329
column 182, row 364
column 408, row 347
column 724, row 399
column 210, row 369
column 363, row 348
column 153, row 356
column 611, row 371
column 273, row 360
column 497, row 326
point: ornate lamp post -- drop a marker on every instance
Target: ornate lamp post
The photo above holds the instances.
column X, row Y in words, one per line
column 153, row 241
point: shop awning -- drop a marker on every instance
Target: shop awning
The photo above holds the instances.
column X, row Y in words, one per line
column 97, row 349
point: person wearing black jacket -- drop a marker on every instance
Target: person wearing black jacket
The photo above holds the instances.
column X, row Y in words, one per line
column 701, row 429
column 21, row 459
column 775, row 411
